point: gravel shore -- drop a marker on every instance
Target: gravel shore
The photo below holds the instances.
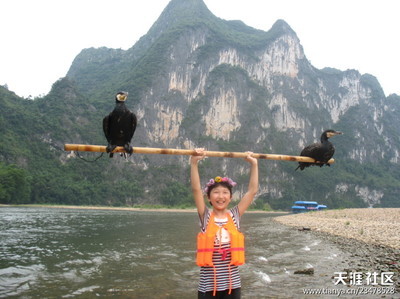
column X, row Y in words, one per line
column 371, row 236
column 372, row 226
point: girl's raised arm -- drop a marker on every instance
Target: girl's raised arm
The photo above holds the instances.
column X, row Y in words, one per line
column 253, row 185
column 195, row 181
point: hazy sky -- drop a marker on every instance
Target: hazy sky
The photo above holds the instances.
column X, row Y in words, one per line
column 40, row 38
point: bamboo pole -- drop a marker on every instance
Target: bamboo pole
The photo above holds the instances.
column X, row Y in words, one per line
column 170, row 151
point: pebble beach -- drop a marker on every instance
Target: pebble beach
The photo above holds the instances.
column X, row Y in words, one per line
column 373, row 226
column 371, row 236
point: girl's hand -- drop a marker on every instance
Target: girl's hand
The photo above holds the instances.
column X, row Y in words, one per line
column 249, row 158
column 200, row 155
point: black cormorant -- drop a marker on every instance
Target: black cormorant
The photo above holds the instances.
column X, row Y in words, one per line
column 321, row 151
column 120, row 125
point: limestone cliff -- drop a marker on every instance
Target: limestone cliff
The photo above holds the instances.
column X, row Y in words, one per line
column 197, row 80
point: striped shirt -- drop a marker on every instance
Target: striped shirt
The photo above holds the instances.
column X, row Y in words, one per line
column 226, row 274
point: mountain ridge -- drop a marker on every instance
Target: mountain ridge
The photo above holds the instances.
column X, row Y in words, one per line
column 204, row 81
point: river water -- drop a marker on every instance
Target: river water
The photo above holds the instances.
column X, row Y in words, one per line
column 77, row 253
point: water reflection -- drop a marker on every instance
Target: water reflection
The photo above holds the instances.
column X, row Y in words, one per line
column 62, row 253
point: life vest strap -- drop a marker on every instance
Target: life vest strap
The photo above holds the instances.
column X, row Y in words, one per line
column 205, row 250
column 237, row 249
column 223, row 252
column 226, row 249
column 230, row 280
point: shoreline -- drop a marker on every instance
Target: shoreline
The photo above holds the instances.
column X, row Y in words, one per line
column 379, row 226
column 134, row 209
column 370, row 236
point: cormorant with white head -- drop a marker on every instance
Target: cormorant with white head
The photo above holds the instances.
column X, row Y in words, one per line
column 321, row 151
column 120, row 125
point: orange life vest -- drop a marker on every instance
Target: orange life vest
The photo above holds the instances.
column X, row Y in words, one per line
column 205, row 243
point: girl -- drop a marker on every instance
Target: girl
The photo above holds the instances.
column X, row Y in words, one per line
column 220, row 244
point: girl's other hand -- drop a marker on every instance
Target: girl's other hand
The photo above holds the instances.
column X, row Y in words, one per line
column 249, row 158
column 200, row 154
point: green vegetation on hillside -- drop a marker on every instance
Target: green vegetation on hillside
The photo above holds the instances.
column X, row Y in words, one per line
column 34, row 168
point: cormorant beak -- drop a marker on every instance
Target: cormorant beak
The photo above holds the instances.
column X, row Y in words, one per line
column 331, row 134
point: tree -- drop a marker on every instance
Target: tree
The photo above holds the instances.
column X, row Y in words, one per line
column 14, row 185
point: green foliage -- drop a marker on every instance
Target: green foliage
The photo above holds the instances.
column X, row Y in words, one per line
column 193, row 116
column 14, row 185
column 176, row 193
column 35, row 169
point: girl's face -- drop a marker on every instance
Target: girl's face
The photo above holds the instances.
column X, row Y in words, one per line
column 220, row 197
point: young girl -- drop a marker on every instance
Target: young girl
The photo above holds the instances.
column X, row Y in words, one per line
column 220, row 245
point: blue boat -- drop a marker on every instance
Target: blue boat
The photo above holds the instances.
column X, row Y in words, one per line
column 307, row 206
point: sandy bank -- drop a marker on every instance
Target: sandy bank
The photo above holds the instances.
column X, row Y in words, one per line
column 379, row 226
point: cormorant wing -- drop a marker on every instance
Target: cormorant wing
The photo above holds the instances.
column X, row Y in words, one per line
column 132, row 126
column 106, row 128
column 329, row 153
column 310, row 150
column 319, row 152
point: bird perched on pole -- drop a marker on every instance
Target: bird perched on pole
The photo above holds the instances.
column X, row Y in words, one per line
column 120, row 125
column 321, row 151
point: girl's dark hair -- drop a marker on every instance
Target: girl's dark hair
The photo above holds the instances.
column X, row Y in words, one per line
column 223, row 184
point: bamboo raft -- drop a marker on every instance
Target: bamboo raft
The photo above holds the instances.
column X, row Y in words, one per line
column 170, row 151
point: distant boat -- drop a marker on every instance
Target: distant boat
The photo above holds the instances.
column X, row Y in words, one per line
column 307, row 206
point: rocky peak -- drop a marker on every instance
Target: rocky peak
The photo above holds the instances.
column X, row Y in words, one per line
column 280, row 26
column 180, row 13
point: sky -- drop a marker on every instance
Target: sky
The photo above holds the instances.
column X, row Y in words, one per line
column 41, row 38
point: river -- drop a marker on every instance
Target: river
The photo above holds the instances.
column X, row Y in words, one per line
column 81, row 253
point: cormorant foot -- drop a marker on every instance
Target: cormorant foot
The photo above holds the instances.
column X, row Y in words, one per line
column 110, row 148
column 128, row 149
